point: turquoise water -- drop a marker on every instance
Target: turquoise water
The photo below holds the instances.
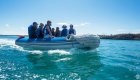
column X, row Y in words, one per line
column 113, row 60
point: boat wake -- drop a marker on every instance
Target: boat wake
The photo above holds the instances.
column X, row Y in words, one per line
column 61, row 52
column 9, row 44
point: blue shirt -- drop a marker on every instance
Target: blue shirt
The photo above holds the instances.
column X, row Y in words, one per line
column 72, row 31
column 64, row 32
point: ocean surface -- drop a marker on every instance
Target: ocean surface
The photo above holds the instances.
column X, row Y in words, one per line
column 113, row 60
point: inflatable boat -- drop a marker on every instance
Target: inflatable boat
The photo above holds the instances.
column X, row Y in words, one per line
column 83, row 41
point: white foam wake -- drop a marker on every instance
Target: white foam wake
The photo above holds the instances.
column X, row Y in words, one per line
column 10, row 44
column 61, row 52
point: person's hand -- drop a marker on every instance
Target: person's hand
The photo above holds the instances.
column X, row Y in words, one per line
column 51, row 36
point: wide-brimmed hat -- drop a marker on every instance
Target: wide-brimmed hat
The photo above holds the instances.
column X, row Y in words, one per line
column 64, row 26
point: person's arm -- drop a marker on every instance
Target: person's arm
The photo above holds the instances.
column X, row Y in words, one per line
column 74, row 32
column 59, row 33
column 47, row 27
column 44, row 30
column 38, row 32
column 30, row 30
column 54, row 33
column 67, row 32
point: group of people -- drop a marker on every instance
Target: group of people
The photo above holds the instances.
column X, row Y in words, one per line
column 45, row 31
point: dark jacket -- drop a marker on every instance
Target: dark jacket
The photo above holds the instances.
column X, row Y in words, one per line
column 53, row 33
column 71, row 31
column 32, row 32
column 57, row 33
column 64, row 32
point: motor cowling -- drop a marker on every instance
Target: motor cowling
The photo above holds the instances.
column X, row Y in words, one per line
column 88, row 41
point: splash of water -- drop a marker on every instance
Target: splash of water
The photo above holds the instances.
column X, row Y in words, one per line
column 63, row 59
column 61, row 52
column 4, row 42
column 11, row 45
column 137, row 77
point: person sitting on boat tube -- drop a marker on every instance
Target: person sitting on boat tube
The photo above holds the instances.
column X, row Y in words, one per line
column 57, row 32
column 40, row 33
column 64, row 31
column 72, row 30
column 53, row 31
column 32, row 30
column 47, row 30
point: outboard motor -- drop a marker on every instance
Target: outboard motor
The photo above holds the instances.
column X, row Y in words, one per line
column 88, row 41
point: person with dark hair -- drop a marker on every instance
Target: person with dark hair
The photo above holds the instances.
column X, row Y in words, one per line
column 72, row 30
column 47, row 29
column 53, row 32
column 64, row 31
column 57, row 32
column 40, row 33
column 32, row 30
